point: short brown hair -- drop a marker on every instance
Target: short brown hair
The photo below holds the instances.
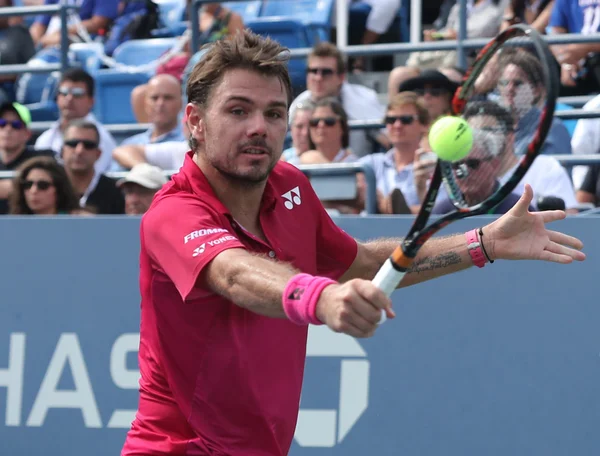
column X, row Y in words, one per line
column 245, row 50
column 412, row 99
column 327, row 49
column 526, row 61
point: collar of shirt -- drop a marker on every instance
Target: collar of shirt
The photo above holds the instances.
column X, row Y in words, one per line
column 202, row 189
column 389, row 161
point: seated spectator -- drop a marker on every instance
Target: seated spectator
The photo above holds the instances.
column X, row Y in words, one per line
column 407, row 122
column 478, row 175
column 42, row 188
column 589, row 192
column 96, row 192
column 521, row 90
column 300, row 133
column 535, row 13
column 216, row 22
column 96, row 16
column 16, row 48
column 483, row 21
column 326, row 77
column 75, row 100
column 586, row 141
column 14, row 135
column 579, row 62
column 163, row 104
column 139, row 187
column 434, row 89
column 329, row 133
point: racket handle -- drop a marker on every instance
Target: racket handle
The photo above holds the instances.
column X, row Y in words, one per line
column 387, row 279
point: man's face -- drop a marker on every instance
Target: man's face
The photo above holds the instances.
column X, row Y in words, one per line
column 73, row 100
column 80, row 150
column 403, row 126
column 163, row 101
column 322, row 78
column 241, row 131
column 13, row 132
column 517, row 93
column 436, row 100
column 137, row 198
column 299, row 130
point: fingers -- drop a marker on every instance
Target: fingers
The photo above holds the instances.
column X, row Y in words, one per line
column 522, row 206
column 565, row 239
column 552, row 216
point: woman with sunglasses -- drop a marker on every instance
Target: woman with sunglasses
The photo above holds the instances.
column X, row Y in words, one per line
column 41, row 187
column 329, row 134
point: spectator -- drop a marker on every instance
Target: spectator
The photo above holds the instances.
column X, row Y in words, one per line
column 521, row 89
column 589, row 192
column 407, row 122
column 435, row 89
column 163, row 104
column 95, row 15
column 477, row 175
column 216, row 22
column 586, row 140
column 483, row 21
column 14, row 135
column 75, row 99
column 326, row 77
column 579, row 62
column 329, row 133
column 535, row 13
column 80, row 150
column 42, row 188
column 300, row 133
column 139, row 187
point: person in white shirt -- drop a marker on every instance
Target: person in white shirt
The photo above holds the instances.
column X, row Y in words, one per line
column 326, row 77
column 586, row 140
column 75, row 100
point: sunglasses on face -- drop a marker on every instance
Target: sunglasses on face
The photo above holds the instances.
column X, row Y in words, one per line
column 87, row 144
column 506, row 82
column 77, row 92
column 471, row 163
column 328, row 121
column 15, row 124
column 325, row 72
column 41, row 185
column 404, row 120
column 433, row 91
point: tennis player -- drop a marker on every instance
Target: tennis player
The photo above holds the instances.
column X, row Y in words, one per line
column 238, row 257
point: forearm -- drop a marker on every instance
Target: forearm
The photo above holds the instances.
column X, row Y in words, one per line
column 250, row 281
column 129, row 155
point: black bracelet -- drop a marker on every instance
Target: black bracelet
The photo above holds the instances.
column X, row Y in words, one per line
column 482, row 246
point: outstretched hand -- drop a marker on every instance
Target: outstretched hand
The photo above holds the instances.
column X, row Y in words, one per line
column 522, row 235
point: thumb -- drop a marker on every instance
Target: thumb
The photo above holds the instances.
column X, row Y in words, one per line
column 522, row 206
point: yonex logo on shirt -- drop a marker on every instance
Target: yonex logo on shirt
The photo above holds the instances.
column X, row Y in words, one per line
column 202, row 248
column 199, row 250
column 292, row 198
column 199, row 233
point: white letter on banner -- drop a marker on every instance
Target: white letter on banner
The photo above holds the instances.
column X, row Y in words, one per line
column 82, row 397
column 124, row 378
column 12, row 379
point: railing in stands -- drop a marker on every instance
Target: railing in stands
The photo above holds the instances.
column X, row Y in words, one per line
column 62, row 10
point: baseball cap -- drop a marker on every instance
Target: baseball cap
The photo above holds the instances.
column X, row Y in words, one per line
column 432, row 77
column 19, row 110
column 146, row 175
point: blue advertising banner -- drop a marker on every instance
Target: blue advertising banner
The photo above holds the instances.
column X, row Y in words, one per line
column 503, row 360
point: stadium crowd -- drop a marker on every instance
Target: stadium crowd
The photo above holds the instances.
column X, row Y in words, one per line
column 63, row 170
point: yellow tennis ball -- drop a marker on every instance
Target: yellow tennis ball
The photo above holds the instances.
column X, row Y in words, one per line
column 451, row 138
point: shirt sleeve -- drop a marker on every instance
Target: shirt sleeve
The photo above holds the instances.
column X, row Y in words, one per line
column 558, row 17
column 44, row 19
column 105, row 8
column 167, row 155
column 182, row 236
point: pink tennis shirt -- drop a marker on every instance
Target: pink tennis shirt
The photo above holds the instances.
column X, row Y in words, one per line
column 217, row 379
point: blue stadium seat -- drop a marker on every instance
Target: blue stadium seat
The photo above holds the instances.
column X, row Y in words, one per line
column 569, row 123
column 87, row 55
column 313, row 14
column 139, row 52
column 289, row 33
column 248, row 10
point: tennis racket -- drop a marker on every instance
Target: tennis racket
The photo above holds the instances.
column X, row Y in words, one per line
column 508, row 97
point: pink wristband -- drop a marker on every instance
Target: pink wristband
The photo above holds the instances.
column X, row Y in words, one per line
column 300, row 298
column 474, row 246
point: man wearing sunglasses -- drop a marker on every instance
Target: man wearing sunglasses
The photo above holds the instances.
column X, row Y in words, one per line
column 75, row 100
column 14, row 135
column 97, row 192
column 326, row 77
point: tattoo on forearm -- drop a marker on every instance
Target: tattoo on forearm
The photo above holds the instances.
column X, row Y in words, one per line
column 436, row 262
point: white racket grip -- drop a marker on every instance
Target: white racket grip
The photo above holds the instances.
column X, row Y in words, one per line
column 387, row 279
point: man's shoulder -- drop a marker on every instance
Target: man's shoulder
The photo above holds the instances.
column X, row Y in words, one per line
column 358, row 90
column 139, row 139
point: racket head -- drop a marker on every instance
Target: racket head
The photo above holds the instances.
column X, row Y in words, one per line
column 508, row 97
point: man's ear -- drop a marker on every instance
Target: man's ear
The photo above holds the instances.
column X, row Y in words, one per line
column 194, row 117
